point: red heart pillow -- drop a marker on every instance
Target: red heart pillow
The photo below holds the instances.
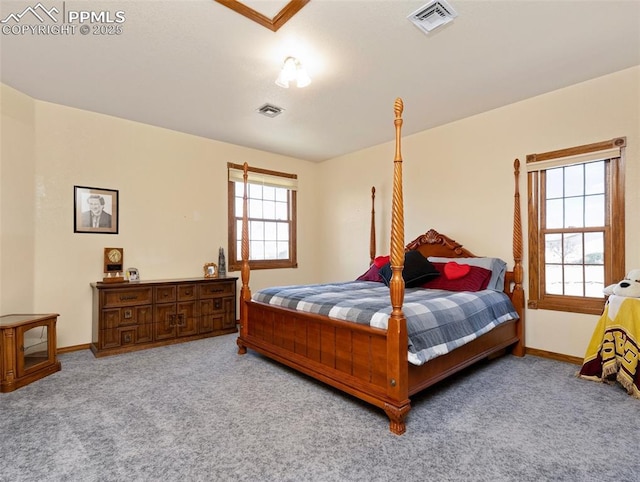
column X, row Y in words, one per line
column 453, row 270
column 380, row 261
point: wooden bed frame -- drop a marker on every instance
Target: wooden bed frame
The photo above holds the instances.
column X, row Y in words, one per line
column 371, row 363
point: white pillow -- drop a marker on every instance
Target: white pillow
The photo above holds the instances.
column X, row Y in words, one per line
column 497, row 267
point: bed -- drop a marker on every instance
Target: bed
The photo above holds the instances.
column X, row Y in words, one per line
column 372, row 362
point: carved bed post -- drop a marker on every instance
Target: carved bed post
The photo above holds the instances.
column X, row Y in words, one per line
column 372, row 240
column 245, row 292
column 397, row 341
column 518, row 291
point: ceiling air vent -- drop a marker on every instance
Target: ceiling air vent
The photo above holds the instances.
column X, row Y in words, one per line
column 433, row 15
column 270, row 110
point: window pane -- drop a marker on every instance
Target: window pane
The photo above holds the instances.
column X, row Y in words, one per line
column 594, row 210
column 553, row 248
column 255, row 208
column 239, row 189
column 573, row 281
column 574, row 180
column 574, row 214
column 554, row 183
column 270, row 250
column 555, row 214
column 282, row 195
column 238, row 207
column 283, row 232
column 594, row 177
column 256, row 230
column 256, row 250
column 594, row 281
column 573, row 248
column 594, row 248
column 283, row 250
column 553, row 281
column 281, row 211
column 269, row 210
column 269, row 193
column 255, row 191
column 239, row 233
column 270, row 232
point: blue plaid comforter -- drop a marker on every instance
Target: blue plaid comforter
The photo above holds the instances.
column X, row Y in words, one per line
column 438, row 321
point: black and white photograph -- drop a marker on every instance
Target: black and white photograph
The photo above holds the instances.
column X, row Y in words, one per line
column 95, row 210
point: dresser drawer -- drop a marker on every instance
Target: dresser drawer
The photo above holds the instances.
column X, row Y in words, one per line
column 165, row 294
column 126, row 316
column 186, row 292
column 214, row 290
column 128, row 297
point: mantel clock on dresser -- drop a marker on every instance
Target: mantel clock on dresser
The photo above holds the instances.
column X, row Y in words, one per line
column 113, row 265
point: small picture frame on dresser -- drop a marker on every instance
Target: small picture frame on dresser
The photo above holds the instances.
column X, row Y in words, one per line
column 210, row 270
column 133, row 274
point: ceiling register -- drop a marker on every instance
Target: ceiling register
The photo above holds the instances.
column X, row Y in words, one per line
column 433, row 15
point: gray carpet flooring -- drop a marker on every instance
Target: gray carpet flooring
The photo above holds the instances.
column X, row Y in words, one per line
column 200, row 412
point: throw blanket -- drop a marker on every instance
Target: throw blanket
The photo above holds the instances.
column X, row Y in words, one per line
column 613, row 350
column 438, row 321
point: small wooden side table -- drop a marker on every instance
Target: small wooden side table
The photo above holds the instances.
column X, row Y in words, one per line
column 27, row 349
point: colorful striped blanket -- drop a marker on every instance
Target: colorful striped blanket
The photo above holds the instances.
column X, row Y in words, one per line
column 438, row 321
column 613, row 350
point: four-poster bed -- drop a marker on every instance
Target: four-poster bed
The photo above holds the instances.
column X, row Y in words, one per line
column 365, row 361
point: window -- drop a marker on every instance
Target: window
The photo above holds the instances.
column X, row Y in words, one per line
column 576, row 226
column 271, row 210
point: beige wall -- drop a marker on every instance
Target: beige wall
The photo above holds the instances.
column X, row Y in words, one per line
column 173, row 208
column 458, row 179
column 17, row 201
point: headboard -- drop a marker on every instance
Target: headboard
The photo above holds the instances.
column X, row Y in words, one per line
column 432, row 243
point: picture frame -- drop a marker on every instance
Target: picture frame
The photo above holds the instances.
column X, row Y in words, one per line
column 210, row 270
column 133, row 274
column 95, row 210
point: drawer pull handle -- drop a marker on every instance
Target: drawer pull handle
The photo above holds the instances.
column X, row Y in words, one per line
column 219, row 290
column 218, row 304
column 188, row 293
column 128, row 297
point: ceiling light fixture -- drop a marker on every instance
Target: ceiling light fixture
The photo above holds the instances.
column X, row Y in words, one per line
column 292, row 71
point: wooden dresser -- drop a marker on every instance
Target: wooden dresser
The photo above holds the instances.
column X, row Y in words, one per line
column 145, row 314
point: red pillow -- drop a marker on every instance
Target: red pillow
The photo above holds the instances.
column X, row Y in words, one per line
column 476, row 280
column 453, row 270
column 380, row 261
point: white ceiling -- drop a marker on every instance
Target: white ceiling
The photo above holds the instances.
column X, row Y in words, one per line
column 198, row 67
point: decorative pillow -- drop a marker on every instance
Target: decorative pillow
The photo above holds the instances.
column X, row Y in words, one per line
column 476, row 279
column 380, row 261
column 497, row 266
column 417, row 270
column 453, row 270
column 372, row 274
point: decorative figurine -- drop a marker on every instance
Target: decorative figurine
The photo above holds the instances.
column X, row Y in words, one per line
column 222, row 265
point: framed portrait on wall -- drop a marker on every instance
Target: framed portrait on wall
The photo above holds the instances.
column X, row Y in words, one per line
column 95, row 210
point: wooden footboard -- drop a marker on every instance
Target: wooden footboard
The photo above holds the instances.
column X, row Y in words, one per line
column 351, row 357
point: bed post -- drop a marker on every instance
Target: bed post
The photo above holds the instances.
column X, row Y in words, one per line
column 372, row 239
column 397, row 340
column 245, row 292
column 518, row 292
